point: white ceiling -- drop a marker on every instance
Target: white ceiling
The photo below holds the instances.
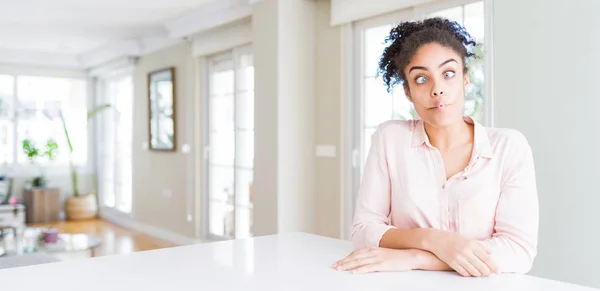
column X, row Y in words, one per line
column 76, row 27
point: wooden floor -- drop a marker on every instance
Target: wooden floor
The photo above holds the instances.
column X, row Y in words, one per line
column 115, row 239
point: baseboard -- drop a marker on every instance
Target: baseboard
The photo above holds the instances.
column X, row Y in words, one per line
column 126, row 221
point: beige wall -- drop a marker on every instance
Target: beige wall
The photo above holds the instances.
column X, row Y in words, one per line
column 155, row 174
column 264, row 190
column 329, row 127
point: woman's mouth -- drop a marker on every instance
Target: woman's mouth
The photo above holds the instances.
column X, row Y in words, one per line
column 439, row 106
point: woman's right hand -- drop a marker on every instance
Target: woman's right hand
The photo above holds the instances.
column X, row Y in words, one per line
column 466, row 256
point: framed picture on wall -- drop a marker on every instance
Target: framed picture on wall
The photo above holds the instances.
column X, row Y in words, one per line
column 161, row 110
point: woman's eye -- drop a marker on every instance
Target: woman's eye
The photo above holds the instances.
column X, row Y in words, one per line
column 421, row 80
column 449, row 74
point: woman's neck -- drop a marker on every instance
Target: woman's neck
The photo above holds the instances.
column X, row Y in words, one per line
column 448, row 137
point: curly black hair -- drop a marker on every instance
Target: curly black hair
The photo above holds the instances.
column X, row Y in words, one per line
column 407, row 37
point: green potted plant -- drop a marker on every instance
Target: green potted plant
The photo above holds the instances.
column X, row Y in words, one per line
column 80, row 205
column 33, row 153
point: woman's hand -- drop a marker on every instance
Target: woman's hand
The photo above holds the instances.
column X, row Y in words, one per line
column 377, row 260
column 466, row 256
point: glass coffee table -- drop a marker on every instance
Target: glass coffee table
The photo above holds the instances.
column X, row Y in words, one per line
column 31, row 241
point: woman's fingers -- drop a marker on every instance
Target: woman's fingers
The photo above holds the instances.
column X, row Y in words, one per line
column 483, row 269
column 352, row 257
column 484, row 256
column 357, row 263
column 349, row 257
column 459, row 269
column 466, row 264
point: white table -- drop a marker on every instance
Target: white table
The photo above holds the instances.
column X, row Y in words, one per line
column 282, row 262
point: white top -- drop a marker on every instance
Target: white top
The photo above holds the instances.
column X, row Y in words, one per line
column 280, row 262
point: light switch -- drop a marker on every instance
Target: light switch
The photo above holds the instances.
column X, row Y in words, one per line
column 145, row 145
column 185, row 148
column 326, row 151
column 166, row 193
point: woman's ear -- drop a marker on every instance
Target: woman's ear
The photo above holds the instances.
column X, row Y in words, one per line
column 407, row 92
column 466, row 80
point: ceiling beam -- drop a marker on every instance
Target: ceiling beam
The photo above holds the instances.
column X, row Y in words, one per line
column 42, row 59
column 211, row 15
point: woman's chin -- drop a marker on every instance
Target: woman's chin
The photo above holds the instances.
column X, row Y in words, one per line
column 441, row 117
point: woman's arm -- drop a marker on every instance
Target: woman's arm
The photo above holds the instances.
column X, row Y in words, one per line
column 514, row 243
column 417, row 238
column 367, row 260
column 430, row 262
column 373, row 200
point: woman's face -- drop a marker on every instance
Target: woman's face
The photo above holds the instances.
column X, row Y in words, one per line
column 435, row 84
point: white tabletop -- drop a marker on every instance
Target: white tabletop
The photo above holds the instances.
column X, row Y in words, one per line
column 281, row 262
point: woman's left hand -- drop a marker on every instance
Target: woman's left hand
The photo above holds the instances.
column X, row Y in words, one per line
column 377, row 260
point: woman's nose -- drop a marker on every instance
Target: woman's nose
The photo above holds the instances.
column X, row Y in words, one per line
column 437, row 92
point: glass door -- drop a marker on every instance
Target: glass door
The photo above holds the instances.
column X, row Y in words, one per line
column 230, row 148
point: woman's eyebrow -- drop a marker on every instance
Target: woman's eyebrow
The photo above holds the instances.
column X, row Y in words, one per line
column 425, row 69
column 448, row 61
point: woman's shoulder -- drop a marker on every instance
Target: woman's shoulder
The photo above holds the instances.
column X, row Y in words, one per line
column 506, row 135
column 508, row 140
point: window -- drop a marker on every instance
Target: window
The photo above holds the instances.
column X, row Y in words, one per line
column 30, row 108
column 375, row 105
column 116, row 144
column 230, row 160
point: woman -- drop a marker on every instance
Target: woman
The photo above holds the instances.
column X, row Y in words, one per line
column 442, row 192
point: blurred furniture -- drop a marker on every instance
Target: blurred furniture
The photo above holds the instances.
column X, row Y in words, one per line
column 43, row 204
column 5, row 189
column 30, row 240
column 12, row 215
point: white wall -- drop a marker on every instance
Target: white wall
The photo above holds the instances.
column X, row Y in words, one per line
column 297, row 115
column 546, row 60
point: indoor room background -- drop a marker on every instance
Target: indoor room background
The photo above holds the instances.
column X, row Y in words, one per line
column 273, row 108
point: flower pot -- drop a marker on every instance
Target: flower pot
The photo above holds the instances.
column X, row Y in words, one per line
column 50, row 236
column 81, row 207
